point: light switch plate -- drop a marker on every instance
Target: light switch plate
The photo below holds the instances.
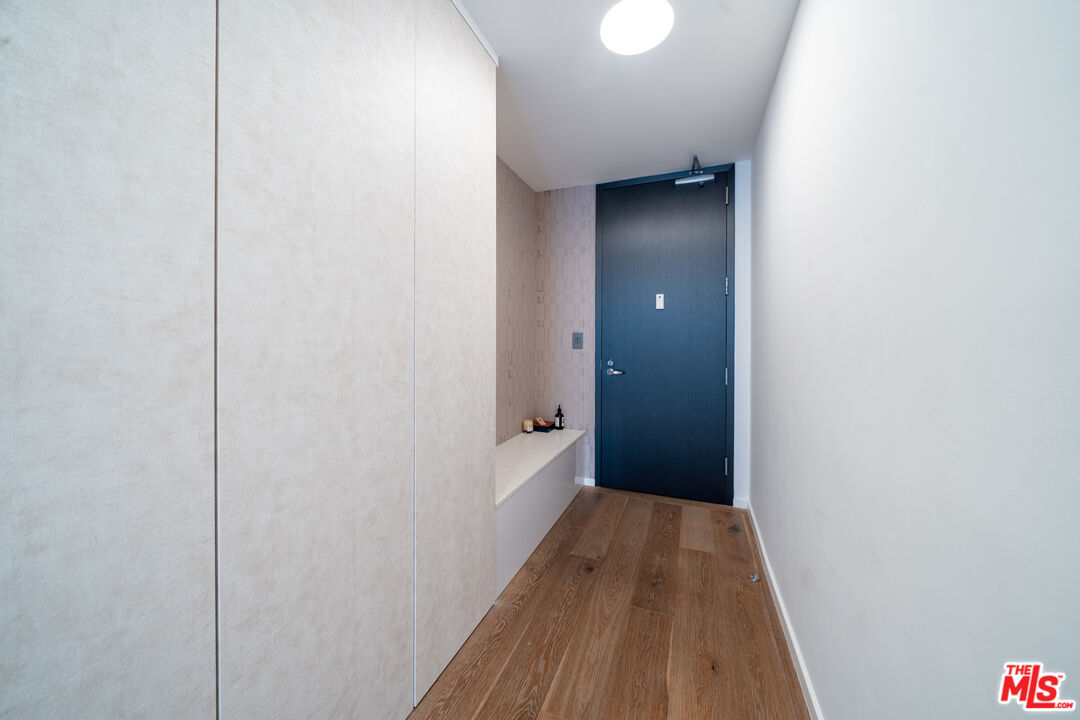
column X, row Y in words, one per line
column 659, row 301
column 577, row 341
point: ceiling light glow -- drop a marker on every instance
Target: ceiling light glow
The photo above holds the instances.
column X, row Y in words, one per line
column 633, row 26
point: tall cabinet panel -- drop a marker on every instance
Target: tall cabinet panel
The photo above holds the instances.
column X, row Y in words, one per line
column 315, row 358
column 106, row 371
column 455, row 335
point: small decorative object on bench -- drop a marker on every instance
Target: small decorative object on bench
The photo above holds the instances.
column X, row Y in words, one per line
column 542, row 425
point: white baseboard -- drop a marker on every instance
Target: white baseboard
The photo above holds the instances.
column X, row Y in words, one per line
column 741, row 502
column 590, row 482
column 785, row 622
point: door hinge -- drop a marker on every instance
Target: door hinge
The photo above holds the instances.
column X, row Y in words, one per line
column 725, row 466
column 726, row 286
column 725, row 376
column 726, row 188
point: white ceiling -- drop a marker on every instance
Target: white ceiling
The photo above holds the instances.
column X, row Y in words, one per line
column 570, row 112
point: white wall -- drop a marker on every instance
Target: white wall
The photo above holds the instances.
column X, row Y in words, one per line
column 916, row 392
column 743, row 367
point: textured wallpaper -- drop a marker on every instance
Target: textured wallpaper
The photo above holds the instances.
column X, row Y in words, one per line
column 547, row 291
column 106, row 360
column 515, row 384
column 209, row 421
column 566, row 303
column 315, row 359
column 455, row 337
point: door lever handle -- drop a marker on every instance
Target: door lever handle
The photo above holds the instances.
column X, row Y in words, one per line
column 612, row 371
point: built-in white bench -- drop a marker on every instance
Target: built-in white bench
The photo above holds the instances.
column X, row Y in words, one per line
column 534, row 482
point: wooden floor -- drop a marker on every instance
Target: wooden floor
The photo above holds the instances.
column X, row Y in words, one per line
column 633, row 606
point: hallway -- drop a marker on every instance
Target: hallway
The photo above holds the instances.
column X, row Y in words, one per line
column 633, row 606
column 351, row 354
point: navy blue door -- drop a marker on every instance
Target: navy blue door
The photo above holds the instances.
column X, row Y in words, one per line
column 663, row 376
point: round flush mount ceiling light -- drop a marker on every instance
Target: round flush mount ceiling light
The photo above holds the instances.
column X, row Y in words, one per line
column 634, row 26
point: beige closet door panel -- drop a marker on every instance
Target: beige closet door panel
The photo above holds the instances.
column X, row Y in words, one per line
column 455, row 336
column 315, row 358
column 106, row 360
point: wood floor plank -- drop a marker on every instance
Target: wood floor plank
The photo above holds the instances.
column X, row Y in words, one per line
column 636, row 687
column 590, row 652
column 583, row 505
column 772, row 611
column 660, row 498
column 654, row 587
column 521, row 688
column 596, row 536
column 763, row 579
column 468, row 680
column 567, row 529
column 727, row 512
column 764, row 678
column 659, row 628
column 701, row 681
column 735, row 560
column 697, row 529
